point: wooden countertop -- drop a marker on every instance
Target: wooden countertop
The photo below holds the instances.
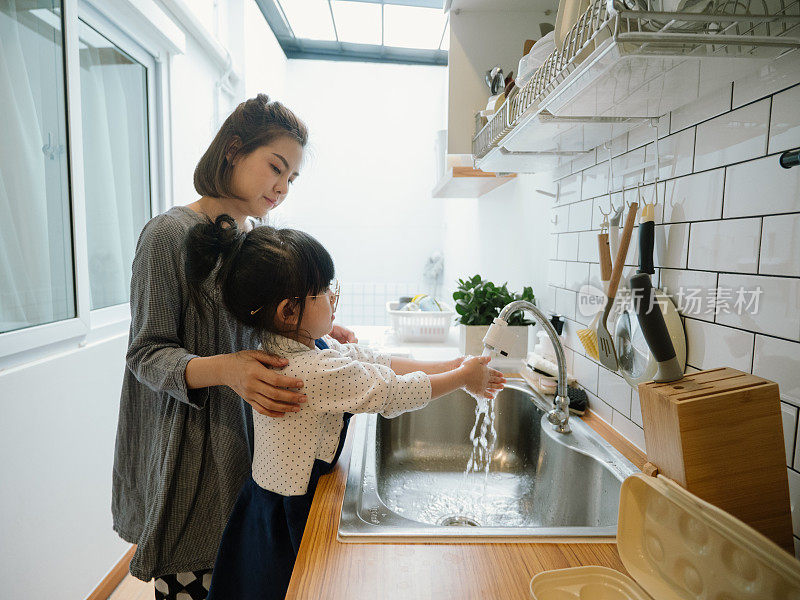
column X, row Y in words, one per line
column 329, row 569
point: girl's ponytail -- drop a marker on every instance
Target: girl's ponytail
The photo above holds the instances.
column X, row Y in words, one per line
column 206, row 245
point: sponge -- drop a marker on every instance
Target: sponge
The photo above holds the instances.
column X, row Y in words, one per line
column 578, row 400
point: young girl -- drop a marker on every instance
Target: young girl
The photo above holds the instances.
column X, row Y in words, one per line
column 278, row 282
column 184, row 437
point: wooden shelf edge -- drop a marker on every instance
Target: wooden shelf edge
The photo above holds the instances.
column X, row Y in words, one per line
column 467, row 182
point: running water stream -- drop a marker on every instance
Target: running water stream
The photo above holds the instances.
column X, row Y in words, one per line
column 483, row 436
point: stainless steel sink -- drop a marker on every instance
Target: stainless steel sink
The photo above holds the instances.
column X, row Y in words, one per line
column 407, row 475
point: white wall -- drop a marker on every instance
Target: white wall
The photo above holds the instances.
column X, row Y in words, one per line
column 194, row 122
column 365, row 189
column 264, row 65
column 503, row 236
column 730, row 219
column 57, row 441
column 59, row 404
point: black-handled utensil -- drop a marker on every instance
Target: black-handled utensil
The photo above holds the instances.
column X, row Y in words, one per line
column 647, row 236
column 654, row 329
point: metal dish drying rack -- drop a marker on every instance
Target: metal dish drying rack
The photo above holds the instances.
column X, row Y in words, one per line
column 622, row 63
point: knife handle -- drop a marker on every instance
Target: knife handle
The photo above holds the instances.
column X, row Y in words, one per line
column 646, row 240
column 654, row 329
column 605, row 256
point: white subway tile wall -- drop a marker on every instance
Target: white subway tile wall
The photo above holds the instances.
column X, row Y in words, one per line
column 365, row 303
column 761, row 187
column 789, row 417
column 778, row 310
column 708, row 106
column 778, row 360
column 784, row 123
column 732, row 244
column 727, row 243
column 674, row 157
column 780, row 246
column 733, row 137
column 694, row 197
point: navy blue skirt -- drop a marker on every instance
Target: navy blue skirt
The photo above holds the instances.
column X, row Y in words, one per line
column 260, row 542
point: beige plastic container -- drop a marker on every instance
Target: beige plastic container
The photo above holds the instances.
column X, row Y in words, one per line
column 678, row 547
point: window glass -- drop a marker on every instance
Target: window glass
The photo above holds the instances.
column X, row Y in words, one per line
column 36, row 260
column 116, row 162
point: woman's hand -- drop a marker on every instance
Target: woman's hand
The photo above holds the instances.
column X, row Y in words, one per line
column 480, row 381
column 343, row 335
column 266, row 390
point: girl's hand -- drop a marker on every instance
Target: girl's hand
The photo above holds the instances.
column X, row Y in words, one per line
column 479, row 380
column 266, row 390
column 455, row 363
column 343, row 335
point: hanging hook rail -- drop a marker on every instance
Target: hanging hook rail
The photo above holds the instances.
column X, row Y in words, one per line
column 607, row 146
column 654, row 125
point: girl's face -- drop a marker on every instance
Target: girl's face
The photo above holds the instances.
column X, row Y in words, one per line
column 318, row 316
column 261, row 180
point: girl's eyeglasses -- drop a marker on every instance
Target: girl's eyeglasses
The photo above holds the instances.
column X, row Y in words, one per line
column 332, row 292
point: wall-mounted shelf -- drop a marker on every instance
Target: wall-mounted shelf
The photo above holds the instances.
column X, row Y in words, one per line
column 503, row 160
column 619, row 67
column 466, row 182
column 553, row 138
column 549, row 133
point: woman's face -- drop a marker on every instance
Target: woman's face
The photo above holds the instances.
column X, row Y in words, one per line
column 261, row 180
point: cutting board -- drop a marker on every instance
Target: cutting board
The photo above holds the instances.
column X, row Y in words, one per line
column 718, row 433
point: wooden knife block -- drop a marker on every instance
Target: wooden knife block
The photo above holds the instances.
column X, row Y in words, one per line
column 718, row 433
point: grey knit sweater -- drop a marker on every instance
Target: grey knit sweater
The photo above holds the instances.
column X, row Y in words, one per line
column 181, row 455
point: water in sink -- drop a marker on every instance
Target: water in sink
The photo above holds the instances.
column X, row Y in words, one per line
column 493, row 499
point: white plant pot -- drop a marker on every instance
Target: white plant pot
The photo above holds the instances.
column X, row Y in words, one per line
column 470, row 340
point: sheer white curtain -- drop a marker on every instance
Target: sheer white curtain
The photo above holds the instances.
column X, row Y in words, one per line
column 115, row 163
column 26, row 296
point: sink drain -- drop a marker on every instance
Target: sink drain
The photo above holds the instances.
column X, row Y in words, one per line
column 458, row 521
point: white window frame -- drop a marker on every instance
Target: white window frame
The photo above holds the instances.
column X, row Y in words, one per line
column 120, row 313
column 141, row 29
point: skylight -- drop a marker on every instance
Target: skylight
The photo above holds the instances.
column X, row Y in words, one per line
column 309, row 18
column 400, row 31
column 357, row 22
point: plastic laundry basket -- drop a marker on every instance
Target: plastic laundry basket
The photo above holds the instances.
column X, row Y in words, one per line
column 418, row 325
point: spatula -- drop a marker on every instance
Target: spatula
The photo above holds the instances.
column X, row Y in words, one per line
column 588, row 335
column 605, row 340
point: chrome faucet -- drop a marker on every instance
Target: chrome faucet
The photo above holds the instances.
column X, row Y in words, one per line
column 499, row 338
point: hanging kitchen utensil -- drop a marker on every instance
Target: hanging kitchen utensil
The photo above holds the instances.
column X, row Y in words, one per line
column 588, row 335
column 605, row 341
column 495, row 80
column 637, row 362
column 613, row 229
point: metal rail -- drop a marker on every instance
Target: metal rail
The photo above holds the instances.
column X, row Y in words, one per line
column 736, row 29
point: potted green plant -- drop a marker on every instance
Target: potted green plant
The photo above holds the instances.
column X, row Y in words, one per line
column 478, row 302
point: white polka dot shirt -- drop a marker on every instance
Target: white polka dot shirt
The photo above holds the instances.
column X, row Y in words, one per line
column 344, row 378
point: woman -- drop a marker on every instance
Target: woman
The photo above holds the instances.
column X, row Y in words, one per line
column 184, row 438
